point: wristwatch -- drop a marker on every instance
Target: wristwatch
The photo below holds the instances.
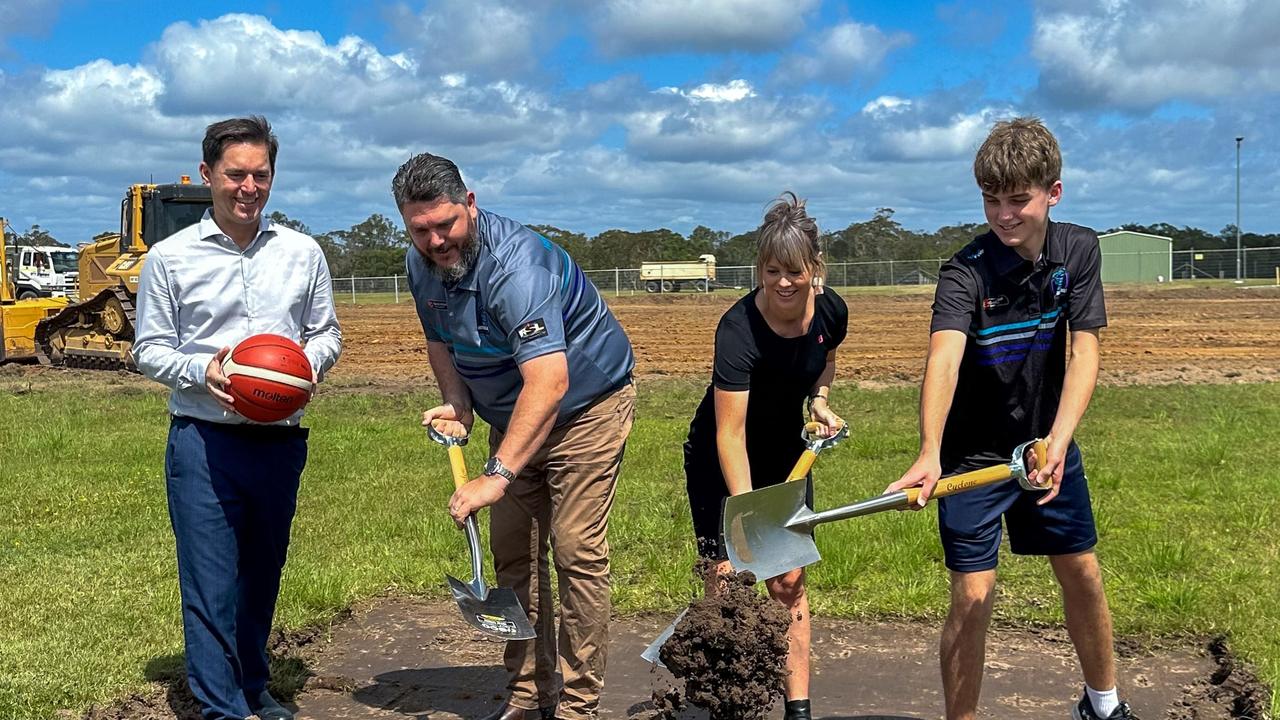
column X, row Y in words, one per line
column 494, row 466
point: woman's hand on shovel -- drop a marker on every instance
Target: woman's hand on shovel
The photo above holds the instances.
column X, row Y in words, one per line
column 923, row 474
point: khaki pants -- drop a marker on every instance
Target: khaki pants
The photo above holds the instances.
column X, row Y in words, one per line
column 563, row 498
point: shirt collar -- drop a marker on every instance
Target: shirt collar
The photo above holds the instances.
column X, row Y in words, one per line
column 1007, row 260
column 209, row 228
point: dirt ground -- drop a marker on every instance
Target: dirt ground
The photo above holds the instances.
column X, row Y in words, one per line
column 396, row 658
column 1163, row 335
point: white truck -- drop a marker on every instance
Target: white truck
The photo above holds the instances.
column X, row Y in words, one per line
column 668, row 277
column 43, row 270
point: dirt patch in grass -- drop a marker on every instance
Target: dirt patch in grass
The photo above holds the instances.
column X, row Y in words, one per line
column 1232, row 692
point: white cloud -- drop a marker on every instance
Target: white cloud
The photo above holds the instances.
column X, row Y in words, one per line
column 886, row 104
column 646, row 27
column 244, row 62
column 956, row 139
column 732, row 91
column 26, row 17
column 718, row 123
column 490, row 38
column 1138, row 54
column 842, row 54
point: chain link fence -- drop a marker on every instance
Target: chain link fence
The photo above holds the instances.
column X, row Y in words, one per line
column 1256, row 265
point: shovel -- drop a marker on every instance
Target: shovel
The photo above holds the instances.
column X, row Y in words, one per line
column 495, row 611
column 769, row 531
column 813, row 446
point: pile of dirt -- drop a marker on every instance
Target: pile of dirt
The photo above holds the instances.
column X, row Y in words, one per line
column 1232, row 692
column 730, row 651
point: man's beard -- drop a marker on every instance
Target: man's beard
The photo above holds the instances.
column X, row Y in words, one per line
column 467, row 255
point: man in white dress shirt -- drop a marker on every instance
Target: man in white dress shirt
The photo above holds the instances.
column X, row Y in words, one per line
column 232, row 484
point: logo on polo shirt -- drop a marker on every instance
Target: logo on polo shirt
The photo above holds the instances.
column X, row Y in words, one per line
column 992, row 303
column 532, row 330
column 1060, row 282
column 437, row 304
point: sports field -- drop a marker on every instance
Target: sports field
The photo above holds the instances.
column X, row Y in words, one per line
column 1179, row 445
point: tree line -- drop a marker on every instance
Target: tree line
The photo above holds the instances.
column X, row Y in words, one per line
column 376, row 246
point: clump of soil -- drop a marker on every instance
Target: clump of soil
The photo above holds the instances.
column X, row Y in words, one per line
column 730, row 651
column 1233, row 692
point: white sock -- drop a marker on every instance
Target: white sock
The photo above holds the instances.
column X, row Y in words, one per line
column 1103, row 702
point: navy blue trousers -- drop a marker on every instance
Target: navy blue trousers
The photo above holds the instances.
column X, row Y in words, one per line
column 232, row 493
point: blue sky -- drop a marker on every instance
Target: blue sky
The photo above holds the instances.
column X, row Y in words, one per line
column 638, row 114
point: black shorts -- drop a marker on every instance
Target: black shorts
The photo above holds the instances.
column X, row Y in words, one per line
column 707, row 492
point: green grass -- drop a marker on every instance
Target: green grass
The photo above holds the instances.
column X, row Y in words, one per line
column 1188, row 508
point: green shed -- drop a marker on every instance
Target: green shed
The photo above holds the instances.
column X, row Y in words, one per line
column 1129, row 256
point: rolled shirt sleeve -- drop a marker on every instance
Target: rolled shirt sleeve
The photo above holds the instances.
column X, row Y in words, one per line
column 155, row 347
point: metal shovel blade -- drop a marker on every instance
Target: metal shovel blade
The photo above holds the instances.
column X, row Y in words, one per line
column 495, row 612
column 757, row 536
column 651, row 653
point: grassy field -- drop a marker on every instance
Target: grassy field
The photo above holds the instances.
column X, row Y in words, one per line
column 1188, row 507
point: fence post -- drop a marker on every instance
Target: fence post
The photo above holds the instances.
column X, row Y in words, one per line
column 617, row 283
column 395, row 283
column 891, row 280
column 353, row 289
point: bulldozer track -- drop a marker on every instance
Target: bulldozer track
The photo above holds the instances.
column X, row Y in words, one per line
column 87, row 315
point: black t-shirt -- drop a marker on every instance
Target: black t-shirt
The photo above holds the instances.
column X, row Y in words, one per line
column 779, row 373
column 1016, row 315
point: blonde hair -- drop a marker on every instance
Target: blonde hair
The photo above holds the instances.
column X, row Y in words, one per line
column 1018, row 154
column 789, row 236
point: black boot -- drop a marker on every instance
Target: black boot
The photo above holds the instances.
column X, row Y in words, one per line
column 797, row 710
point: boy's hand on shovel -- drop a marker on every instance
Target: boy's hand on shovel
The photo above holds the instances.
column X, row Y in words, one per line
column 923, row 474
column 476, row 494
column 1048, row 475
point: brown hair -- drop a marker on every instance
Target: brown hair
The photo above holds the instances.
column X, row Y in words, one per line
column 789, row 236
column 254, row 130
column 1018, row 154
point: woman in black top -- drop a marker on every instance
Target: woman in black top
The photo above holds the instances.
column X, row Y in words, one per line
column 775, row 353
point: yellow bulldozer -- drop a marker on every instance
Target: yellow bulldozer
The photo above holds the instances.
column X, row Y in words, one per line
column 97, row 332
column 18, row 318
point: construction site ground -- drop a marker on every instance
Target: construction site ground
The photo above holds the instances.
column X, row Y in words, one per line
column 398, row 657
column 1160, row 335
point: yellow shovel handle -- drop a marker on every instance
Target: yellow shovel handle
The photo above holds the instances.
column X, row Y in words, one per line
column 802, row 465
column 976, row 478
column 459, row 466
column 964, row 481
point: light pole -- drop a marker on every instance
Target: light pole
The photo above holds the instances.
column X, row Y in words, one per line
column 1239, row 263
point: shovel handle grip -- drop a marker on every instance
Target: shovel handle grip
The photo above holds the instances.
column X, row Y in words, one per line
column 964, row 481
column 458, row 464
column 802, row 465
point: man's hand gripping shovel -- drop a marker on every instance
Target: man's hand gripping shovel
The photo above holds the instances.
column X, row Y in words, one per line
column 494, row 611
column 814, row 444
column 770, row 531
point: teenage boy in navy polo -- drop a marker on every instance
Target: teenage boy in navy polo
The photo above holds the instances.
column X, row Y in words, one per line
column 996, row 376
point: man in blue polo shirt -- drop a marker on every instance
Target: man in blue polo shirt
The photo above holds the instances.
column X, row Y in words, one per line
column 997, row 376
column 516, row 333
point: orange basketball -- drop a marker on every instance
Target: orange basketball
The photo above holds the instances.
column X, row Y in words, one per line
column 269, row 377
